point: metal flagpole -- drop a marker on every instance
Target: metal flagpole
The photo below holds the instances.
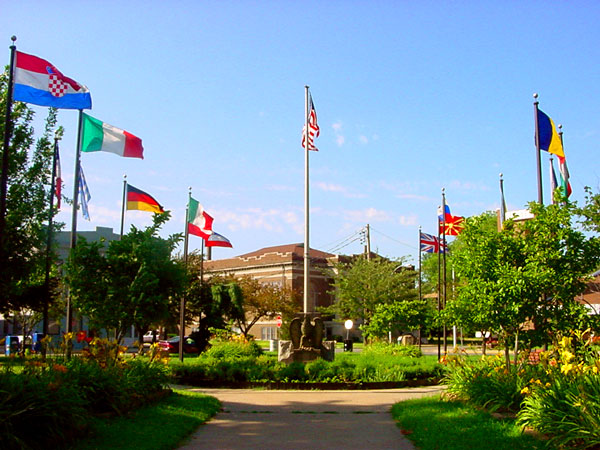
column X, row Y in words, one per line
column 123, row 204
column 5, row 155
column 74, row 212
column 439, row 282
column 185, row 260
column 502, row 203
column 57, row 137
column 444, row 261
column 420, row 279
column 306, row 206
column 537, row 149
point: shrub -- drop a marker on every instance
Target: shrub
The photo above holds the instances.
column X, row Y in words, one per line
column 566, row 404
column 41, row 409
column 233, row 349
column 47, row 403
column 487, row 382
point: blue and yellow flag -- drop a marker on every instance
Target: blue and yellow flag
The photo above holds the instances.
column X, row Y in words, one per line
column 548, row 136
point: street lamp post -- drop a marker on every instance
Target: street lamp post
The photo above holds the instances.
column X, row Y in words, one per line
column 348, row 342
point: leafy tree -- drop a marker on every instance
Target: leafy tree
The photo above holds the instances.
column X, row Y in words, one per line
column 262, row 300
column 400, row 315
column 23, row 245
column 362, row 285
column 527, row 274
column 132, row 284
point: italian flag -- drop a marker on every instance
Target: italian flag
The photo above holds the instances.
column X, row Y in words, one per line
column 199, row 222
column 99, row 136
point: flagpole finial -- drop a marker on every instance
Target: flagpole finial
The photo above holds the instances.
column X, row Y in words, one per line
column 13, row 38
column 535, row 95
column 501, row 175
column 443, row 190
column 124, row 176
column 307, row 86
column 560, row 126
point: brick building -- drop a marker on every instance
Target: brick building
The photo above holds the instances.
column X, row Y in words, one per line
column 284, row 266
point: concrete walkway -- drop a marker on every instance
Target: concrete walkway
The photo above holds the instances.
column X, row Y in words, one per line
column 315, row 420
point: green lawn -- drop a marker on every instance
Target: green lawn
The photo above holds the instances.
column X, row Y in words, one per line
column 161, row 426
column 433, row 424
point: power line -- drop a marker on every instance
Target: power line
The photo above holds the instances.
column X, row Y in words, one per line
column 395, row 240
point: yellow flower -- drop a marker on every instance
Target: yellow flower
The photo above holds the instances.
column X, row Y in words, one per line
column 565, row 342
column 547, row 385
column 567, row 368
column 525, row 390
column 595, row 369
column 567, row 356
column 538, row 382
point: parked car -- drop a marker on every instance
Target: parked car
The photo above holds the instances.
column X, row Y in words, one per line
column 172, row 345
column 148, row 337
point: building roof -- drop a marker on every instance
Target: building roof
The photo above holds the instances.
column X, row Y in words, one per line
column 289, row 253
column 293, row 249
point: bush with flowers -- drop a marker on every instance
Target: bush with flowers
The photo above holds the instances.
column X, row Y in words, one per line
column 559, row 396
column 565, row 402
column 49, row 401
column 487, row 382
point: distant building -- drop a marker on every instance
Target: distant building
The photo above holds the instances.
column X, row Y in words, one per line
column 283, row 265
column 63, row 246
column 63, row 239
column 591, row 296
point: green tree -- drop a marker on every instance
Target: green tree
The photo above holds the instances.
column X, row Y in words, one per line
column 361, row 285
column 132, row 284
column 523, row 281
column 23, row 245
column 262, row 300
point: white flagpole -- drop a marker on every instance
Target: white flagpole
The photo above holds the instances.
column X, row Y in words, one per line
column 306, row 205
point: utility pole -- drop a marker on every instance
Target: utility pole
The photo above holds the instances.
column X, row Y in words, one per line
column 368, row 231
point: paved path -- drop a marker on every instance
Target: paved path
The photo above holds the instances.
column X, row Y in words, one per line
column 298, row 420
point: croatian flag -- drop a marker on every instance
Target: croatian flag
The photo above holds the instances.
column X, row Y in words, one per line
column 39, row 82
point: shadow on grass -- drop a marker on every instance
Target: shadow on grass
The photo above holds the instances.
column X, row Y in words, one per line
column 160, row 426
column 431, row 423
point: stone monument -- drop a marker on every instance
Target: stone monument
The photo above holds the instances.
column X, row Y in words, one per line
column 306, row 332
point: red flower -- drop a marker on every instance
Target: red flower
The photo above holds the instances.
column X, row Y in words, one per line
column 81, row 335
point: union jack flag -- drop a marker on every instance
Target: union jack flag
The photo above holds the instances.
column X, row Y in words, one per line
column 431, row 244
column 313, row 128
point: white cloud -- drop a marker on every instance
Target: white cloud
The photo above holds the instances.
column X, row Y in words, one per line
column 363, row 139
column 330, row 187
column 367, row 215
column 273, row 220
column 340, row 139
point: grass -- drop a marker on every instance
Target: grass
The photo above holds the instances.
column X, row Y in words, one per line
column 433, row 424
column 163, row 425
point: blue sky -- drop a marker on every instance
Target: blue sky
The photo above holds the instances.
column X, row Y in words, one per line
column 411, row 97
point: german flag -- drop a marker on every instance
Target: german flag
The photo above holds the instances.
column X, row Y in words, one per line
column 140, row 200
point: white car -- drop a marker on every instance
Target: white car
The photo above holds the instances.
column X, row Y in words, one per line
column 148, row 337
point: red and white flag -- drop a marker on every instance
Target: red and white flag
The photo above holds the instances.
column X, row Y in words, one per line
column 313, row 127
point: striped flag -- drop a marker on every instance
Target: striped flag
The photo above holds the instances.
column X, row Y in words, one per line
column 58, row 181
column 553, row 182
column 564, row 176
column 84, row 195
column 218, row 240
column 313, row 128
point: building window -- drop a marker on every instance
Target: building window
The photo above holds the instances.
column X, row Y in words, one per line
column 268, row 333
